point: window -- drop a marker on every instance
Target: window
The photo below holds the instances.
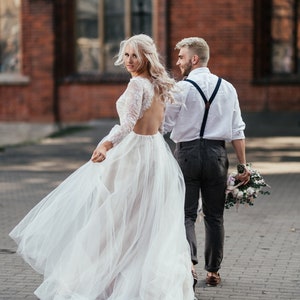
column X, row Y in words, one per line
column 283, row 27
column 277, row 40
column 100, row 27
column 9, row 37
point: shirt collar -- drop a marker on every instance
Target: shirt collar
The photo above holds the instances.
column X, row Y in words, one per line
column 199, row 70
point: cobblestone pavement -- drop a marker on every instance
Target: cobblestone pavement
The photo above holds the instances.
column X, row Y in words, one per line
column 262, row 243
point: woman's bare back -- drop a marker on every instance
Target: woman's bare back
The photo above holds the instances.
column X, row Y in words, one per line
column 152, row 119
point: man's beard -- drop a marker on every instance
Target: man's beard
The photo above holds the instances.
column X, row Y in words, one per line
column 187, row 69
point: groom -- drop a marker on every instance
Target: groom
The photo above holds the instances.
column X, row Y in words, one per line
column 205, row 114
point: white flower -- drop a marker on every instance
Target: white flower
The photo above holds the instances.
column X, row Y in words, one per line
column 250, row 191
column 231, row 183
column 240, row 194
column 231, row 180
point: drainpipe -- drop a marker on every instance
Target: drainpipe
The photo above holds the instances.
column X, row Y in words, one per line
column 56, row 107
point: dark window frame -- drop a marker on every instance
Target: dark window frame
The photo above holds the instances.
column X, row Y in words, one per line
column 262, row 40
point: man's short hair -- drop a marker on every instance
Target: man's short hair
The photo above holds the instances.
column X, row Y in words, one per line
column 198, row 45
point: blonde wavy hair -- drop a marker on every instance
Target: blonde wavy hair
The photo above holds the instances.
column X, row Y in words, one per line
column 145, row 49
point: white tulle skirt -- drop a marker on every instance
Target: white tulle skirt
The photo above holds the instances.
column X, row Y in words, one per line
column 113, row 230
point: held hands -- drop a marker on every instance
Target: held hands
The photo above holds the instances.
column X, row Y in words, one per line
column 99, row 154
column 243, row 174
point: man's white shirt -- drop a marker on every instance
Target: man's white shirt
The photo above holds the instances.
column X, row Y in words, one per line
column 184, row 117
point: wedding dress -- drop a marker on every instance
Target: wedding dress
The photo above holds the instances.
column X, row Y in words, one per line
column 114, row 230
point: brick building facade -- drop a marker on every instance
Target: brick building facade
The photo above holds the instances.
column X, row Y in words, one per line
column 254, row 44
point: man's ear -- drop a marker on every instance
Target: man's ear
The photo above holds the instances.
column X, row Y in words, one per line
column 195, row 59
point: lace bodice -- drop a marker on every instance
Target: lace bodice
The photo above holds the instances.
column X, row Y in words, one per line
column 131, row 106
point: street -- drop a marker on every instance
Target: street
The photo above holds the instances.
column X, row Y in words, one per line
column 262, row 242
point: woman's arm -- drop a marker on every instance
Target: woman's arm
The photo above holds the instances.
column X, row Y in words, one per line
column 133, row 103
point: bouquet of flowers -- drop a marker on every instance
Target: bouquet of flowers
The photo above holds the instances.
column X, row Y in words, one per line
column 238, row 193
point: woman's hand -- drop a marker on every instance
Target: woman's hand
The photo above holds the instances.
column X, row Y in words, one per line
column 99, row 154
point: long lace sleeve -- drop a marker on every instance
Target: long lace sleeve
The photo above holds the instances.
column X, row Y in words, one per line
column 129, row 110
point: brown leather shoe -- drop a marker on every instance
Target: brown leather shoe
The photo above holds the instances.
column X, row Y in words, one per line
column 213, row 278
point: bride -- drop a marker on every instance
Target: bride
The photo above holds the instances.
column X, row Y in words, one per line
column 114, row 229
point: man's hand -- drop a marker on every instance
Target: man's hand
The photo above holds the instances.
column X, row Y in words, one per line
column 244, row 177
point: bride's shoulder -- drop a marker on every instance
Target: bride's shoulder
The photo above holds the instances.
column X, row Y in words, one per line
column 141, row 80
column 140, row 84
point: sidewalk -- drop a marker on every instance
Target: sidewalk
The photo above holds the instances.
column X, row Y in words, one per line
column 262, row 243
column 258, row 124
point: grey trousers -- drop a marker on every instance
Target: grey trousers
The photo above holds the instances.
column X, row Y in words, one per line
column 204, row 164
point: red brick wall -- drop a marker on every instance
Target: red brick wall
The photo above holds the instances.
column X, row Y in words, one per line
column 89, row 101
column 33, row 100
column 227, row 26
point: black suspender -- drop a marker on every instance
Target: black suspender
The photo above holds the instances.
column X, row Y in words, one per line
column 207, row 102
